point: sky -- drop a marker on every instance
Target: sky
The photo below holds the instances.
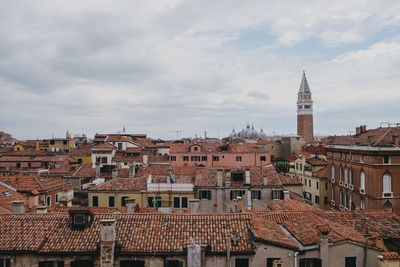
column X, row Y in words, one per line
column 158, row 67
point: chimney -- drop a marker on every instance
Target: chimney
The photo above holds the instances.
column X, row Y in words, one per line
column 41, row 209
column 97, row 170
column 395, row 140
column 286, row 194
column 194, row 205
column 194, row 255
column 323, row 240
column 18, row 207
column 363, row 128
column 247, row 176
column 131, row 170
column 239, row 205
column 228, row 179
column 145, row 159
column 219, row 177
column 370, row 139
column 358, row 130
column 107, row 242
column 114, row 173
column 131, row 205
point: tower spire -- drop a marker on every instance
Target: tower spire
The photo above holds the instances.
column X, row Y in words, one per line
column 304, row 88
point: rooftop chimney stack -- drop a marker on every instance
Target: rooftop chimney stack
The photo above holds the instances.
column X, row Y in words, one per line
column 323, row 240
column 194, row 255
column 107, row 242
column 114, row 173
column 286, row 194
column 97, row 170
column 18, row 207
column 41, row 209
column 194, row 205
column 363, row 128
column 395, row 140
column 132, row 172
column 131, row 205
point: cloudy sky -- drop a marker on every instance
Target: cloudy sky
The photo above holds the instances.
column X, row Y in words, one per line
column 161, row 66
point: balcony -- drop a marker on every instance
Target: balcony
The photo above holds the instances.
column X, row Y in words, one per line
column 333, row 180
column 341, row 183
column 362, row 191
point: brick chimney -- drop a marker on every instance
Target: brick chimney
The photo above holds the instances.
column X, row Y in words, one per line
column 395, row 140
column 194, row 206
column 114, row 173
column 107, row 242
column 131, row 205
column 18, row 207
column 323, row 241
column 363, row 128
column 239, row 205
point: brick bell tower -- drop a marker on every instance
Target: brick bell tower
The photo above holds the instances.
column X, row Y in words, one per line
column 305, row 126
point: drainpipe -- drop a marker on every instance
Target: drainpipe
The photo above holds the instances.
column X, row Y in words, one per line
column 367, row 236
column 295, row 258
column 228, row 250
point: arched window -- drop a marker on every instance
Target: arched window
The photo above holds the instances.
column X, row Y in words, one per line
column 346, row 201
column 333, row 172
column 351, row 176
column 346, row 175
column 341, row 198
column 333, row 194
column 387, row 183
column 362, row 181
column 341, row 174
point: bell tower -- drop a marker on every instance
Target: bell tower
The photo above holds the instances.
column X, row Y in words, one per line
column 305, row 126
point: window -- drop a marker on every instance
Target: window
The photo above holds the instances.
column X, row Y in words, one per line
column 387, row 183
column 154, row 202
column 205, row 194
column 255, row 194
column 79, row 160
column 4, row 262
column 18, row 165
column 177, row 202
column 351, row 176
column 48, row 200
column 325, row 200
column 203, row 158
column 82, row 263
column 333, row 195
column 111, row 201
column 317, row 184
column 362, row 181
column 316, row 199
column 170, row 263
column 270, row 261
column 333, row 172
column 386, row 159
column 326, row 186
column 29, row 165
column 341, row 174
column 104, row 160
column 305, row 181
column 310, row 262
column 341, row 198
column 95, row 201
column 184, row 202
column 119, row 146
column 351, row 262
column 64, row 142
column 180, row 202
column 56, row 198
column 173, row 158
column 195, row 148
column 195, row 158
column 123, row 199
column 50, row 264
column 346, row 201
column 362, row 204
column 241, row 262
column 346, row 175
column 185, row 158
column 215, row 158
column 52, row 142
column 237, row 193
column 263, row 158
column 309, row 183
column 134, row 263
column 238, row 158
column 237, row 176
column 277, row 194
column 361, row 158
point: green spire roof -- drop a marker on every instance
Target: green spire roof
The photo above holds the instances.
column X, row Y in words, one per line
column 304, row 88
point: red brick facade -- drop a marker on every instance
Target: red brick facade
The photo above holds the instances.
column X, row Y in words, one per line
column 305, row 127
